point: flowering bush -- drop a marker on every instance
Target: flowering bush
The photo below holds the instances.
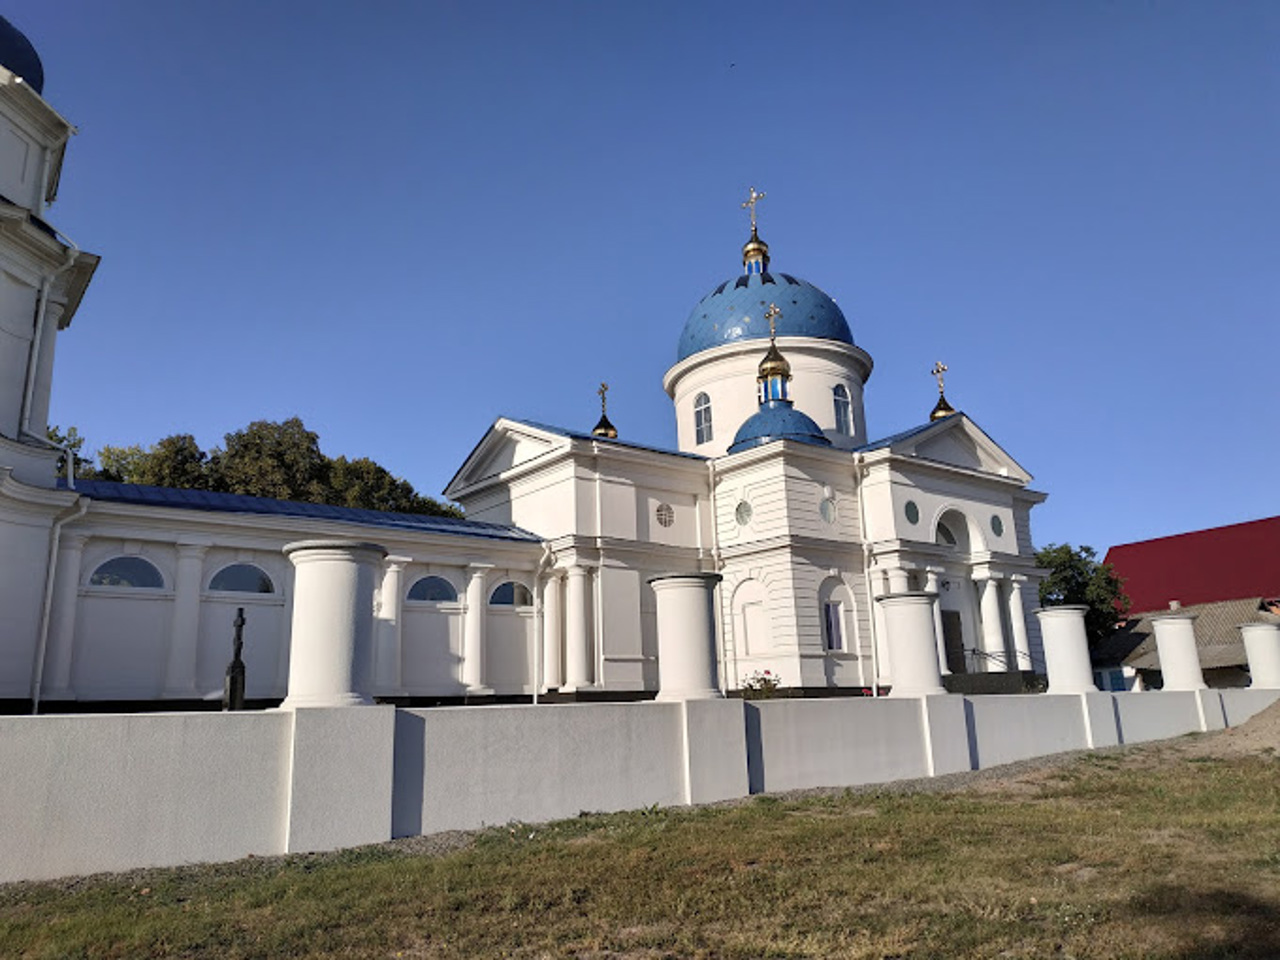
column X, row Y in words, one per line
column 761, row 685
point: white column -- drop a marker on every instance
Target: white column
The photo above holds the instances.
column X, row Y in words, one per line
column 390, row 657
column 62, row 618
column 1176, row 646
column 184, row 631
column 1066, row 649
column 473, row 630
column 331, row 655
column 687, row 667
column 1018, row 623
column 913, row 650
column 931, row 586
column 992, row 629
column 879, row 584
column 1262, row 647
column 577, row 638
column 552, row 632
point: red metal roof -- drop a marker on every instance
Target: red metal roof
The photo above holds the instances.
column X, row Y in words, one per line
column 1224, row 563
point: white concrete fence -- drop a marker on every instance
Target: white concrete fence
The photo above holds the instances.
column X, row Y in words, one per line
column 87, row 793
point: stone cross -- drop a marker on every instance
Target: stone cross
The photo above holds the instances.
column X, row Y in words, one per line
column 750, row 204
column 603, row 391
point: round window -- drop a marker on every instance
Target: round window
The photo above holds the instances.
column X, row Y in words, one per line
column 912, row 512
column 666, row 515
column 743, row 513
column 997, row 526
column 828, row 510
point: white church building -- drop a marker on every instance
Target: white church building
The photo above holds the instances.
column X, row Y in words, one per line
column 117, row 594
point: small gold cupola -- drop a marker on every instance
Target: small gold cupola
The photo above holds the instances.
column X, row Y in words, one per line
column 941, row 409
column 755, row 252
column 774, row 371
column 603, row 427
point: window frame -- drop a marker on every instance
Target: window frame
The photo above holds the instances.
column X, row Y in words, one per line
column 703, row 429
column 409, row 598
column 843, row 404
column 158, row 588
column 254, row 593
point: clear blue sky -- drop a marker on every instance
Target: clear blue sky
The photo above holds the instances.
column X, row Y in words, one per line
column 400, row 220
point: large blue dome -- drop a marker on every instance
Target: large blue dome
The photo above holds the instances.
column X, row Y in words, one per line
column 777, row 420
column 735, row 311
column 17, row 55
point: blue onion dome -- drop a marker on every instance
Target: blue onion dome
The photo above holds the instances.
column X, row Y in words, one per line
column 777, row 420
column 734, row 311
column 17, row 55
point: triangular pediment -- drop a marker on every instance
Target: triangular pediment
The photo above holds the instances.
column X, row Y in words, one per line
column 508, row 444
column 959, row 442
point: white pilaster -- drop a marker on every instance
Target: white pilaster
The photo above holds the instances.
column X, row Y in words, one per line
column 931, row 586
column 184, row 632
column 992, row 629
column 1176, row 646
column 687, row 667
column 473, row 629
column 1066, row 649
column 577, row 638
column 331, row 656
column 389, row 658
column 1262, row 647
column 913, row 651
column 1018, row 623
column 552, row 632
column 62, row 618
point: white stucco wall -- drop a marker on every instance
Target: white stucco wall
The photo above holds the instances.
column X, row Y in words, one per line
column 110, row 792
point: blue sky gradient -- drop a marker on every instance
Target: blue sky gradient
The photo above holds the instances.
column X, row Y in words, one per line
column 400, row 220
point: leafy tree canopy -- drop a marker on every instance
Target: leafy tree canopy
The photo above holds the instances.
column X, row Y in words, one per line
column 1076, row 577
column 265, row 459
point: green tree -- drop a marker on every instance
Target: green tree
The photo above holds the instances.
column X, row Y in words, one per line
column 363, row 483
column 268, row 459
column 75, row 443
column 265, row 459
column 1076, row 577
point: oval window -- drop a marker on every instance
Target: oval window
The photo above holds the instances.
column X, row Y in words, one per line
column 912, row 512
column 128, row 572
column 828, row 510
column 666, row 515
column 242, row 578
column 433, row 590
column 743, row 513
column 997, row 526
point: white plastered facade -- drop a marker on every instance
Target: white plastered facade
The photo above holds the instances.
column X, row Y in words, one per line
column 803, row 537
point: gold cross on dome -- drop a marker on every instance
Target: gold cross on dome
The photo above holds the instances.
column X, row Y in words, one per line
column 772, row 314
column 603, row 392
column 750, row 204
column 938, row 370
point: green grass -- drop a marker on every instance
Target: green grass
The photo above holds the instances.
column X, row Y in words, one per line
column 1141, row 854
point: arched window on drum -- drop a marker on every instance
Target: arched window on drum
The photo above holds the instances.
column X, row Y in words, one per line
column 702, row 418
column 844, row 410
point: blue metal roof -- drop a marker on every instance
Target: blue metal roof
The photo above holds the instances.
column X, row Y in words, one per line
column 142, row 495
column 889, row 441
column 777, row 420
column 735, row 311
